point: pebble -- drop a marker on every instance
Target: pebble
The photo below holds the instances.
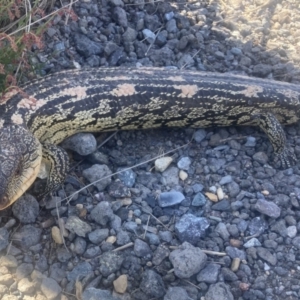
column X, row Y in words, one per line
column 209, row 274
column 110, row 262
column 184, row 163
column 183, row 175
column 219, row 291
column 120, row 284
column 171, row 176
column 99, row 175
column 81, row 270
column 267, row 208
column 4, row 238
column 172, row 198
column 98, row 235
column 76, row 225
column 50, row 288
column 142, row 249
column 82, row 143
column 254, row 242
column 199, row 200
column 235, row 264
column 176, row 293
column 102, row 213
column 93, row 293
column 161, row 164
column 212, row 197
column 127, row 177
column 220, row 193
column 152, row 284
column 56, row 235
column 161, row 253
column 199, row 135
column 26, row 209
column 191, row 229
column 225, row 180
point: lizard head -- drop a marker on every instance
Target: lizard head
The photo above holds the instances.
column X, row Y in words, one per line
column 20, row 159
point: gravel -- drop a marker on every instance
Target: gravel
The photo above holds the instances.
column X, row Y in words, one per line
column 160, row 232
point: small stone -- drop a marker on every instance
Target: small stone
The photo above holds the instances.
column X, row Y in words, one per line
column 50, row 288
column 261, row 158
column 120, row 284
column 110, row 262
column 191, row 229
column 152, row 284
column 177, row 293
column 171, row 176
column 141, row 248
column 167, row 199
column 268, row 208
column 183, row 175
column 82, row 143
column 184, row 163
column 4, row 238
column 149, row 35
column 127, row 177
column 76, row 225
column 102, row 213
column 80, row 271
column 199, row 135
column 265, row 193
column 187, row 260
column 161, row 164
column 26, row 209
column 98, row 235
column 99, row 175
column 266, row 255
column 56, row 235
column 212, row 197
column 219, row 291
column 251, row 141
column 209, row 274
column 226, row 179
column 26, row 287
column 254, row 242
column 199, row 200
column 292, row 231
column 8, row 261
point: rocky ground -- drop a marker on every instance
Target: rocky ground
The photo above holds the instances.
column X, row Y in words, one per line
column 212, row 219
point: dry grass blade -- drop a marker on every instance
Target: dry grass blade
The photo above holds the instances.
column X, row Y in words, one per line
column 78, row 289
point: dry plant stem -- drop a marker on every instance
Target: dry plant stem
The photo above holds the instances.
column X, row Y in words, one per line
column 205, row 251
column 123, row 247
column 146, row 229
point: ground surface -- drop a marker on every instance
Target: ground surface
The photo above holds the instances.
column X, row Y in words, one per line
column 253, row 230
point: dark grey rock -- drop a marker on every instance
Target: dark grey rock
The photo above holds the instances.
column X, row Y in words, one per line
column 118, row 190
column 199, row 200
column 219, row 291
column 76, row 225
column 209, row 274
column 87, row 47
column 254, row 242
column 141, row 248
column 228, row 275
column 98, row 235
column 24, row 270
column 127, row 177
column 171, row 26
column 79, row 245
column 123, row 238
column 110, row 262
column 221, row 229
column 223, row 205
column 4, row 238
column 92, row 252
column 57, row 272
column 226, row 179
column 187, row 260
column 99, row 175
column 82, row 143
column 119, row 14
column 234, row 252
column 184, row 163
column 152, row 284
column 266, row 255
column 165, row 236
column 177, row 293
column 26, row 209
column 80, row 271
column 102, row 213
column 267, row 208
column 50, row 288
column 129, row 35
column 233, row 189
column 92, row 293
column 191, row 229
column 199, row 135
column 167, row 199
column 160, row 254
column 261, row 157
column 63, row 255
column 257, row 226
column 27, row 236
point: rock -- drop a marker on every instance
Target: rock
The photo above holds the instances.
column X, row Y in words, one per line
column 183, row 175
column 141, row 248
column 129, row 35
column 177, row 293
column 187, row 260
column 199, row 200
column 102, row 213
column 27, row 236
column 127, row 177
column 79, row 245
column 92, row 293
column 152, row 284
column 24, row 270
column 254, row 242
column 98, row 235
column 212, row 197
column 267, row 208
column 86, row 47
column 118, row 190
column 99, row 175
column 199, row 135
column 234, row 252
column 167, row 199
column 228, row 275
column 160, row 254
column 261, row 158
column 80, row 271
column 171, row 176
column 221, row 229
column 184, row 163
column 50, row 288
column 110, row 262
column 226, row 179
column 26, row 209
column 8, row 261
column 223, row 205
column 219, row 291
column 149, row 35
column 257, row 226
column 266, row 255
column 82, row 143
column 209, row 274
column 76, row 225
column 161, row 164
column 119, row 14
column 4, row 238
column 120, row 284
column 191, row 229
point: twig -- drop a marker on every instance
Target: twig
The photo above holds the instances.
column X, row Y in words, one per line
column 123, row 247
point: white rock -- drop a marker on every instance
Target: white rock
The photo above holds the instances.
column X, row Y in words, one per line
column 162, row 163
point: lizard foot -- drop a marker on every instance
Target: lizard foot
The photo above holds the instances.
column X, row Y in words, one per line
column 287, row 158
